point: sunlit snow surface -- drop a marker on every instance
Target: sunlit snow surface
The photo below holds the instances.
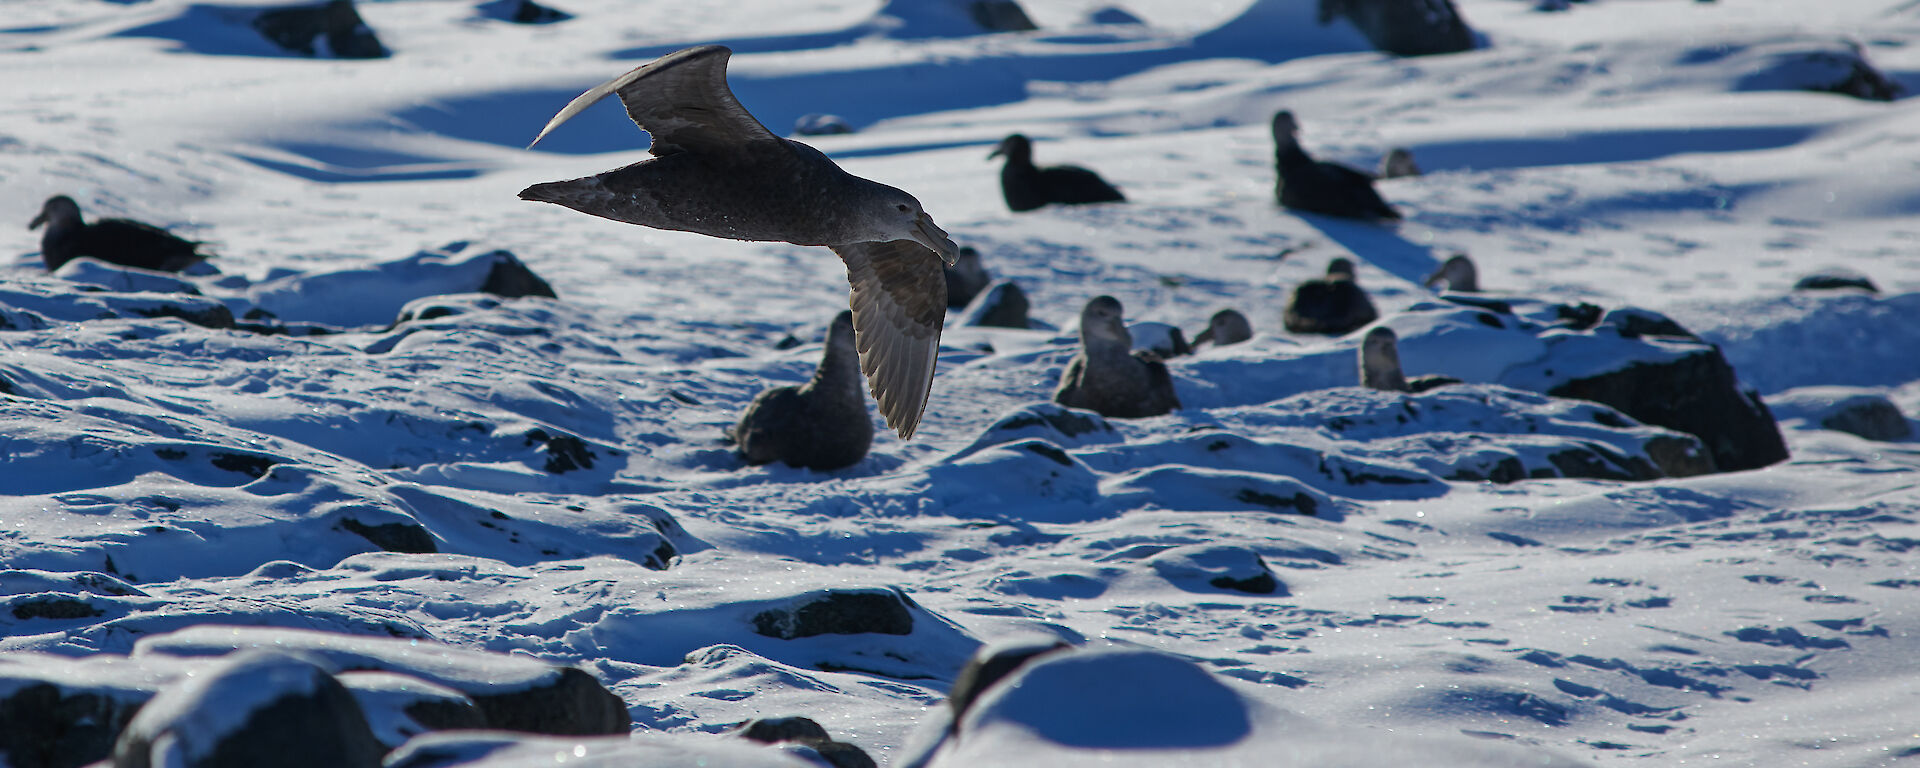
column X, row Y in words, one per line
column 564, row 457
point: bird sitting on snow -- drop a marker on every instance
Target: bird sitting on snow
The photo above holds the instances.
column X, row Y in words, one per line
column 1027, row 187
column 1380, row 365
column 1334, row 305
column 1107, row 376
column 124, row 242
column 822, row 424
column 1458, row 273
column 1310, row 185
column 1227, row 326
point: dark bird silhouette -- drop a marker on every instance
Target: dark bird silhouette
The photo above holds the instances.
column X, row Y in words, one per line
column 822, row 424
column 1027, row 187
column 1310, row 185
column 1458, row 273
column 966, row 278
column 1107, row 376
column 717, row 171
column 124, row 242
column 1398, row 163
column 1334, row 305
column 1227, row 326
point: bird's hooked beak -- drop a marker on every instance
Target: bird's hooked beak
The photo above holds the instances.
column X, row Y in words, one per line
column 37, row 220
column 1203, row 336
column 998, row 150
column 929, row 234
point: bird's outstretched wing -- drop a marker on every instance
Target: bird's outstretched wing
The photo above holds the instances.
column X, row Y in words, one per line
column 899, row 305
column 681, row 99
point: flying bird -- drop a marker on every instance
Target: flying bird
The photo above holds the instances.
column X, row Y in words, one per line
column 715, row 170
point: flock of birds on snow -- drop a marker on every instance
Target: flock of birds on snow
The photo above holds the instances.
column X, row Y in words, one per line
column 715, row 170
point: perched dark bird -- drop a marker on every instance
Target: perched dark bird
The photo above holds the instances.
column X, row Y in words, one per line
column 1002, row 305
column 1398, row 162
column 1306, row 184
column 120, row 241
column 1334, row 305
column 1458, row 273
column 1227, row 326
column 717, row 171
column 966, row 278
column 1380, row 365
column 822, row 424
column 1106, row 376
column 1027, row 187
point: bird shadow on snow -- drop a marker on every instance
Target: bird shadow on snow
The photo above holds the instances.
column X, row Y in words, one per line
column 1378, row 244
column 986, row 70
column 1605, row 147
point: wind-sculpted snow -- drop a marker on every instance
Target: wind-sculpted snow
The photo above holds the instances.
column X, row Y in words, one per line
column 455, row 447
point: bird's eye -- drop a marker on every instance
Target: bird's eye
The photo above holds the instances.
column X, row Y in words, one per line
column 903, row 208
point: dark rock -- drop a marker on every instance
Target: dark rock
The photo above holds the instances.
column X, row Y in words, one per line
column 821, row 124
column 1234, row 569
column 392, row 537
column 1634, row 323
column 800, row 730
column 1697, row 394
column 1874, row 418
column 1000, row 16
column 44, row 725
column 514, row 693
column 252, row 466
column 565, row 453
column 838, row 612
column 1404, row 27
column 296, row 30
column 523, row 12
column 771, row 730
column 1678, row 456
column 1429, row 381
column 1834, row 280
column 57, row 607
column 400, row 707
column 1596, row 463
column 511, row 278
column 1860, row 79
column 573, row 703
column 309, row 720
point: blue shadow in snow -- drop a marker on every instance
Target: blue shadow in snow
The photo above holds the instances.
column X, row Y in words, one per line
column 1603, row 147
column 1379, row 244
column 336, row 164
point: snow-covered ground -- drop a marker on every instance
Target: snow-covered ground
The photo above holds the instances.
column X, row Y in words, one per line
column 562, row 458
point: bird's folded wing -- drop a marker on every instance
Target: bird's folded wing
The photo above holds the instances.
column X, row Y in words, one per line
column 899, row 305
column 681, row 99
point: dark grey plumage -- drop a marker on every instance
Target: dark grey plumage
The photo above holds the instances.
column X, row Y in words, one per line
column 1458, row 273
column 717, row 171
column 1380, row 365
column 966, row 277
column 1002, row 305
column 1106, row 376
column 1398, row 163
column 1380, row 361
column 1334, row 305
column 1306, row 184
column 1027, row 187
column 822, row 424
column 1227, row 326
column 119, row 241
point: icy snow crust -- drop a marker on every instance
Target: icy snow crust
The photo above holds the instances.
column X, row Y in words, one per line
column 547, row 476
